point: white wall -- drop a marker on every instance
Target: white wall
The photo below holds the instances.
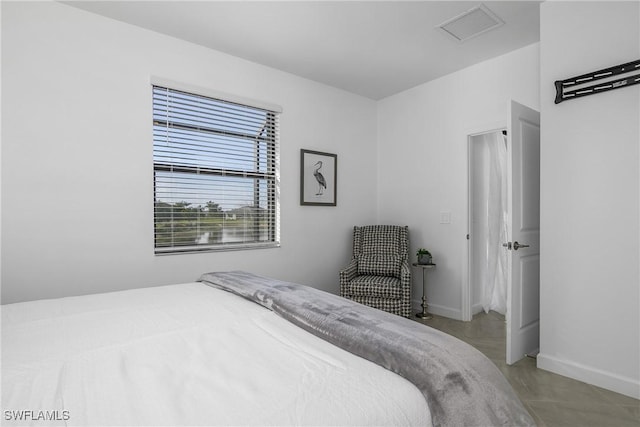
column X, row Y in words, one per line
column 77, row 182
column 589, row 296
column 422, row 136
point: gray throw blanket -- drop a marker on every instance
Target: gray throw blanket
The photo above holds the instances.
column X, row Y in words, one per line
column 462, row 387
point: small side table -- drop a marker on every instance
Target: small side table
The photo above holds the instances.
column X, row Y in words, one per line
column 424, row 315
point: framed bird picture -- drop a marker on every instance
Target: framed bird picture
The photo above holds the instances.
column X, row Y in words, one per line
column 318, row 178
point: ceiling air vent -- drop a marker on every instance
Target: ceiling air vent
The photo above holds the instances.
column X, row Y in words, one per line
column 471, row 23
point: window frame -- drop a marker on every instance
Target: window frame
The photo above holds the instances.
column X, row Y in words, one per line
column 263, row 181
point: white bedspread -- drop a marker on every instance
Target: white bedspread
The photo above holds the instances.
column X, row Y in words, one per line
column 186, row 355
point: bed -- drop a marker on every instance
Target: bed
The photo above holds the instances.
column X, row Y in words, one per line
column 239, row 349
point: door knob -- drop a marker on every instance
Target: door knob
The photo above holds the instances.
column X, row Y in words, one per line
column 517, row 246
column 507, row 245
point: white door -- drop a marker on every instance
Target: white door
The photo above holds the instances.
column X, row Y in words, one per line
column 523, row 294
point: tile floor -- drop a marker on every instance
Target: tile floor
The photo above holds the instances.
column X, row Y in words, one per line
column 552, row 400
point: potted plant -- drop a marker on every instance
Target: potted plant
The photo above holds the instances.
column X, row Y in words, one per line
column 424, row 256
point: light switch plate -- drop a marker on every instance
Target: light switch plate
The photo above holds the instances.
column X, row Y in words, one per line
column 445, row 217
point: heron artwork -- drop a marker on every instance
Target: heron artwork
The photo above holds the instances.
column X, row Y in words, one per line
column 322, row 183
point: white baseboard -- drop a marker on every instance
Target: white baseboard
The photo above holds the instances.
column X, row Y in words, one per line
column 589, row 375
column 438, row 310
column 443, row 311
column 476, row 308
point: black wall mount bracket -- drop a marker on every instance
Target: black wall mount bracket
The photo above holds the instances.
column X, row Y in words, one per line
column 579, row 86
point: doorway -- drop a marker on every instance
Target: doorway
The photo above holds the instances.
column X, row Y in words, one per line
column 520, row 244
column 488, row 216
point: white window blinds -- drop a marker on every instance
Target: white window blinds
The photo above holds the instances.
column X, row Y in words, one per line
column 215, row 166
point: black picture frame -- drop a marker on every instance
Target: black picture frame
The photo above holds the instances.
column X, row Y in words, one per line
column 318, row 178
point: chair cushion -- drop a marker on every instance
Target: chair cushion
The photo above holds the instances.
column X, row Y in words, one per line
column 375, row 286
column 379, row 265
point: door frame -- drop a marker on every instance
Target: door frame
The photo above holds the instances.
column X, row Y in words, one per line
column 481, row 129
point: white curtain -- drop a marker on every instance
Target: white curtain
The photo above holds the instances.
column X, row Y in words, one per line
column 495, row 289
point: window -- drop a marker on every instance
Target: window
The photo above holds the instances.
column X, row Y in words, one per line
column 215, row 168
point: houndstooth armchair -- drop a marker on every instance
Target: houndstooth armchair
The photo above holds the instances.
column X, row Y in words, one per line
column 378, row 274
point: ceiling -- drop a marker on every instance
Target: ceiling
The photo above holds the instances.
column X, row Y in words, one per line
column 371, row 48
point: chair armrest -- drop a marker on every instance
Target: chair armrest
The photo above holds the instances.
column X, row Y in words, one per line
column 405, row 280
column 405, row 272
column 347, row 274
column 405, row 276
column 350, row 271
